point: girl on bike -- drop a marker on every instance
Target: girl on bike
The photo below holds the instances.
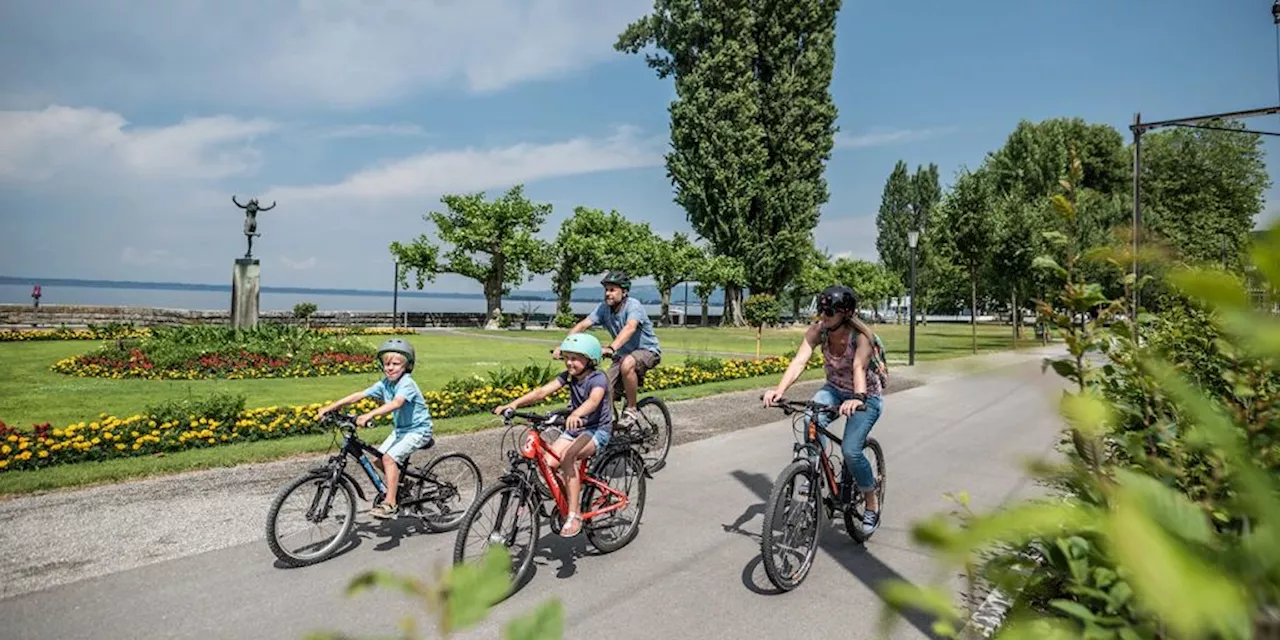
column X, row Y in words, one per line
column 589, row 423
column 855, row 377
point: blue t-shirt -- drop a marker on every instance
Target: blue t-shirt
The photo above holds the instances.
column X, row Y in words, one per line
column 413, row 414
column 643, row 338
column 602, row 417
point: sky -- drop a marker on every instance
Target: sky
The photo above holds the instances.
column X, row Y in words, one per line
column 127, row 126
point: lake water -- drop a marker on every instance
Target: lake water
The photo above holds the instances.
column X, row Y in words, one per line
column 221, row 300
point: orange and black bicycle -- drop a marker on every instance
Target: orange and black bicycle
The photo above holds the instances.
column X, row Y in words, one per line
column 612, row 499
column 815, row 481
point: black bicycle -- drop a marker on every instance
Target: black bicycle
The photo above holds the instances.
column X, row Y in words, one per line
column 439, row 492
column 792, row 516
column 651, row 436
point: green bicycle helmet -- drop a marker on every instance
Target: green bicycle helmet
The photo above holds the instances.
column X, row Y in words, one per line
column 584, row 344
column 617, row 277
column 397, row 345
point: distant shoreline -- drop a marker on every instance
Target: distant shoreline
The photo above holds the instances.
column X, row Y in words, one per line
column 226, row 288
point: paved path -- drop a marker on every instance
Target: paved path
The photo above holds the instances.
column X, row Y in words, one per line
column 693, row 571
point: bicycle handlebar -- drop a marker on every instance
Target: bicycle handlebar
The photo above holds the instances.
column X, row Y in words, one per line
column 791, row 406
column 538, row 421
column 611, row 356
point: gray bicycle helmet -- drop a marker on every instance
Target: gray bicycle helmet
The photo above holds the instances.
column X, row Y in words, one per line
column 397, row 345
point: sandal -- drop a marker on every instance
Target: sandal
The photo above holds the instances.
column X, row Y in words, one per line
column 568, row 520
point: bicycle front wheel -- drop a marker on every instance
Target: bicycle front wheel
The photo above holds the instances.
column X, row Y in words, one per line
column 789, row 540
column 310, row 518
column 655, row 427
column 506, row 514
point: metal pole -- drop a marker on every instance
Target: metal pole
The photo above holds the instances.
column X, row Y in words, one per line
column 684, row 319
column 395, row 297
column 911, row 357
column 1137, row 214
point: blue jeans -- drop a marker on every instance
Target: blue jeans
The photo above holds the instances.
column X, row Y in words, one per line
column 856, row 429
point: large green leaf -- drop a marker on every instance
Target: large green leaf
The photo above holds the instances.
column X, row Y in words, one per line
column 1193, row 598
column 544, row 623
column 1172, row 510
column 1214, row 287
column 471, row 588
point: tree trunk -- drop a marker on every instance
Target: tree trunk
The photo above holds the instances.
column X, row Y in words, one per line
column 758, row 342
column 973, row 309
column 665, row 318
column 493, row 302
column 705, row 304
column 795, row 309
column 1014, row 317
column 732, row 307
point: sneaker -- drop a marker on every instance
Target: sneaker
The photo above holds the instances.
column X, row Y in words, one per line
column 870, row 522
column 628, row 419
column 384, row 511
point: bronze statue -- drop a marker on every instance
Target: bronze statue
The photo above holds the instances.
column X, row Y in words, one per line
column 251, row 220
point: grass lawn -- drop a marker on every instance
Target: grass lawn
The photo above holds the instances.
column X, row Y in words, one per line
column 32, row 393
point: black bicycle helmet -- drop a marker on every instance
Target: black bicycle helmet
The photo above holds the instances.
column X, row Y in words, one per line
column 617, row 277
column 837, row 299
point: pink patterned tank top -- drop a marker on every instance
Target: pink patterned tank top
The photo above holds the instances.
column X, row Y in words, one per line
column 839, row 368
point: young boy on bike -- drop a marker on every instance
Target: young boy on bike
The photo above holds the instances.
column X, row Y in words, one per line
column 590, row 420
column 634, row 344
column 399, row 393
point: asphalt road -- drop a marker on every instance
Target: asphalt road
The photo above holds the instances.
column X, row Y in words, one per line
column 693, row 571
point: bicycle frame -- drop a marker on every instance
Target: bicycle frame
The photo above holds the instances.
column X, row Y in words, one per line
column 811, row 442
column 535, row 451
column 353, row 446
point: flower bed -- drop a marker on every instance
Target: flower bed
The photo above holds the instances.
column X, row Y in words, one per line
column 236, row 366
column 136, row 435
column 113, row 332
column 206, row 351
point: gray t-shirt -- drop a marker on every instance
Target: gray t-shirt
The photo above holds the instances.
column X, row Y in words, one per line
column 643, row 338
column 602, row 417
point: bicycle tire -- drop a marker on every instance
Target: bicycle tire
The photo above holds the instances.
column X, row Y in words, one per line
column 442, row 525
column 775, row 514
column 663, row 434
column 852, row 518
column 594, row 535
column 330, row 548
column 519, row 566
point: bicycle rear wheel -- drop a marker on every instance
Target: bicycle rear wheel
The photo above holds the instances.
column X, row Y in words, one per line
column 622, row 472
column 791, row 520
column 853, row 511
column 453, row 486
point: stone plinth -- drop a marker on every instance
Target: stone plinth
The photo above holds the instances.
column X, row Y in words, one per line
column 244, row 293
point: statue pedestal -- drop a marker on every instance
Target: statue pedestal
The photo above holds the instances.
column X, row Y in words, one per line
column 244, row 293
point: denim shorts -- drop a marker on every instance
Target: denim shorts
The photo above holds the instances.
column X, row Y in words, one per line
column 599, row 436
column 399, row 445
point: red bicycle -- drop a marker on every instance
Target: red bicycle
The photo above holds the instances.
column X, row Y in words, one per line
column 613, row 485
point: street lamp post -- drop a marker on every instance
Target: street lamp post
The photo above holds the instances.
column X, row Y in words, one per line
column 912, row 238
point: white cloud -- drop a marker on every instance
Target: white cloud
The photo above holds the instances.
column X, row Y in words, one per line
column 373, row 130
column 331, row 53
column 46, row 144
column 850, row 236
column 885, row 137
column 473, row 169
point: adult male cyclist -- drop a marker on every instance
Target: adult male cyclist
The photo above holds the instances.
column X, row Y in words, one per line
column 634, row 342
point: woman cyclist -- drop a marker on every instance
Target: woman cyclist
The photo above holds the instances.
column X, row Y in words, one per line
column 856, row 377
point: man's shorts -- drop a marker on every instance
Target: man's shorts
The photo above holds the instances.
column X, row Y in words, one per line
column 400, row 445
column 645, row 360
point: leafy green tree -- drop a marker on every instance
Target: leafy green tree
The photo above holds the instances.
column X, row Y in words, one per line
column 493, row 243
column 1202, row 189
column 591, row 241
column 752, row 125
column 761, row 309
column 670, row 263
column 872, row 282
column 815, row 275
column 712, row 272
column 892, row 221
column 970, row 225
